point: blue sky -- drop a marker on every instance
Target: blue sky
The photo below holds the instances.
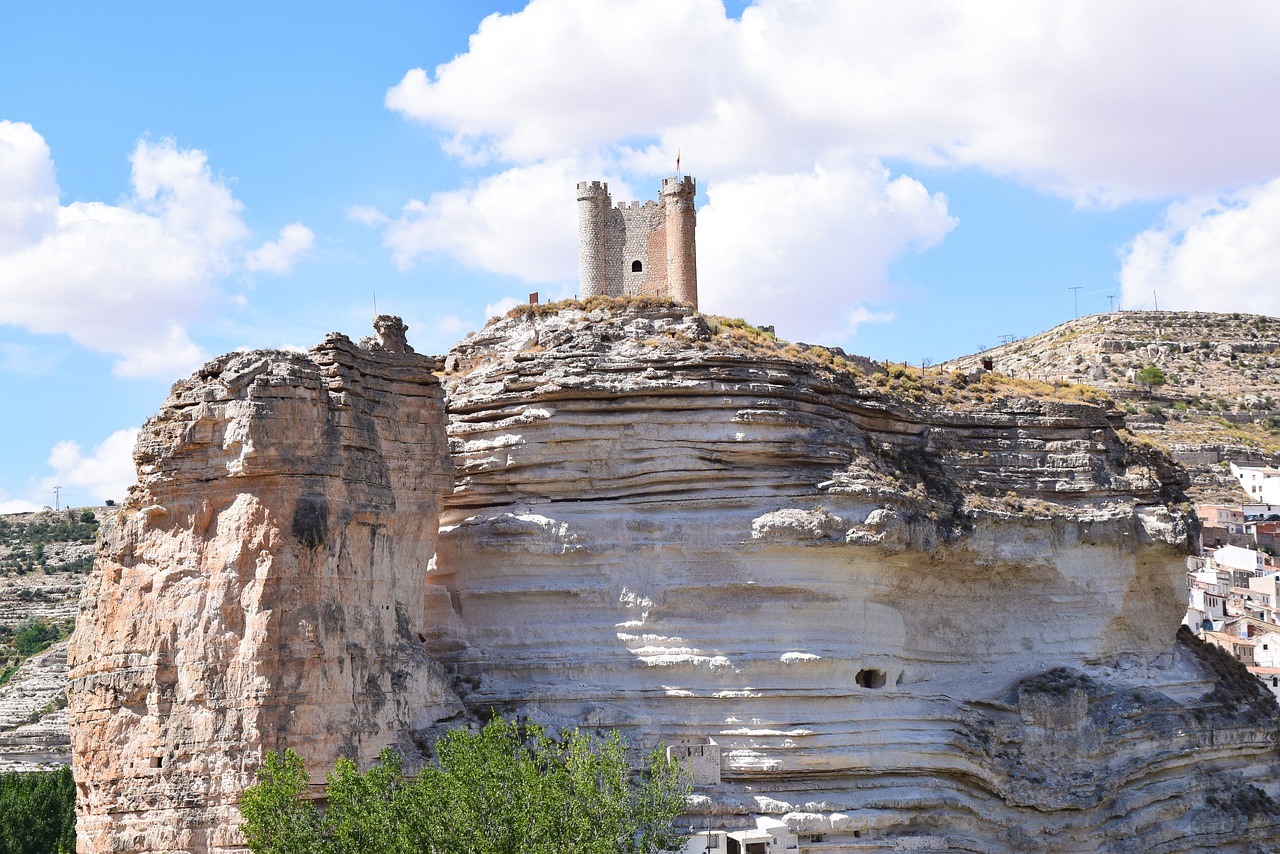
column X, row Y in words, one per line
column 908, row 180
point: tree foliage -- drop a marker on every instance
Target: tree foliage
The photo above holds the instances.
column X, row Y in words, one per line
column 508, row 789
column 1151, row 377
column 38, row 812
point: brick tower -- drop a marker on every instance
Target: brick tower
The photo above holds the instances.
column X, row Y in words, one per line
column 638, row 248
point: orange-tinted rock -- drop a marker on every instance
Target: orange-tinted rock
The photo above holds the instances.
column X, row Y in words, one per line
column 261, row 588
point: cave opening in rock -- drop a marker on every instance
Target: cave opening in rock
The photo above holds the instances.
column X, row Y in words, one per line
column 870, row 678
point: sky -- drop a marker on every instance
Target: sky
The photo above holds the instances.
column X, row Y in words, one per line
column 906, row 179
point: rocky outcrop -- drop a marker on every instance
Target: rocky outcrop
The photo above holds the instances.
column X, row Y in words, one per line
column 33, row 713
column 897, row 621
column 262, row 587
column 897, row 614
column 1218, row 403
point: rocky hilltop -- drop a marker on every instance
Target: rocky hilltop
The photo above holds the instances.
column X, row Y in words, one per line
column 899, row 611
column 262, row 589
column 1220, row 401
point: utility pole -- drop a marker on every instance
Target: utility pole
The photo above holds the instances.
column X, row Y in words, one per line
column 57, row 498
column 1075, row 297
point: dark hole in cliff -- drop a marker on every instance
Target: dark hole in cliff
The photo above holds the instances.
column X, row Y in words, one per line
column 870, row 678
column 311, row 521
column 157, row 761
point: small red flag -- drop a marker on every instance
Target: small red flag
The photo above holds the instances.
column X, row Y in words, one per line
column 677, row 161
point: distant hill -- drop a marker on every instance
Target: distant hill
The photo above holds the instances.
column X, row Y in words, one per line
column 1220, row 399
column 45, row 558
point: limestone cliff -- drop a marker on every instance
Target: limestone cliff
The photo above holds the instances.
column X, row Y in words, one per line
column 922, row 623
column 899, row 611
column 262, row 587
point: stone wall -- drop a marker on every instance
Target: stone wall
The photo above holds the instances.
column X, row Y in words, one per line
column 658, row 236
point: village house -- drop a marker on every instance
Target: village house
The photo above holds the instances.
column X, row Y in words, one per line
column 1241, row 649
column 1261, row 482
column 1207, row 605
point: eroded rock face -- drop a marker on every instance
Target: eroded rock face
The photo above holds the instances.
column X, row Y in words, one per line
column 262, row 587
column 949, row 629
column 904, row 625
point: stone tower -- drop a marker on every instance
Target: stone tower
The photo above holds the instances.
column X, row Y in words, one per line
column 638, row 248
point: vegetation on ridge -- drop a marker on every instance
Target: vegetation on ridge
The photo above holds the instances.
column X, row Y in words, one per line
column 25, row 543
column 922, row 384
column 507, row 788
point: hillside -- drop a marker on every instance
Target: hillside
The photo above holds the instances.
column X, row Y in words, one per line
column 1220, row 401
column 45, row 559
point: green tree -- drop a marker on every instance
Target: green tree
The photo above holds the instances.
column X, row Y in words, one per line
column 508, row 789
column 38, row 812
column 1150, row 378
column 34, row 636
column 277, row 818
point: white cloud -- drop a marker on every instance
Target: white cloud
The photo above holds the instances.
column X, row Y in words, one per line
column 367, row 215
column 501, row 307
column 176, row 186
column 780, row 112
column 123, row 279
column 279, row 256
column 861, row 314
column 1095, row 101
column 802, row 251
column 107, row 472
column 521, row 222
column 18, row 505
column 28, row 188
column 1210, row 254
column 593, row 65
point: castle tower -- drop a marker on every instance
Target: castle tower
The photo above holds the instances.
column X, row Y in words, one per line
column 638, row 248
column 594, row 206
column 679, row 216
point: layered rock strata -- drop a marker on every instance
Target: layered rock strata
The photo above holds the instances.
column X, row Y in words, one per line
column 262, row 587
column 897, row 624
column 1218, row 403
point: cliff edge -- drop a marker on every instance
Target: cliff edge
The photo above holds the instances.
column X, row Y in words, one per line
column 898, row 610
column 261, row 588
column 891, row 608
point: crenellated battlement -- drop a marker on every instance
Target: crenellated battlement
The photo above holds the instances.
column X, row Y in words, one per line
column 593, row 190
column 638, row 248
column 636, row 206
column 683, row 185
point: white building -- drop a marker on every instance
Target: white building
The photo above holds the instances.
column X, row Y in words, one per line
column 769, row 836
column 1260, row 512
column 1262, row 483
column 1238, row 559
column 1207, row 606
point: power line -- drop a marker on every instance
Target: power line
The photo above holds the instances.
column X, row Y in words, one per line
column 1075, row 297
